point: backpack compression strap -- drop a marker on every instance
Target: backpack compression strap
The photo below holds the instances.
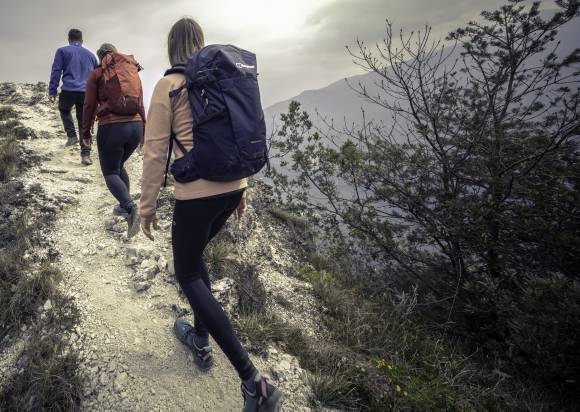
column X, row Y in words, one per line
column 179, row 68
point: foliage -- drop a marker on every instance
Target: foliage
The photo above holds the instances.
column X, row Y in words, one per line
column 7, row 112
column 8, row 159
column 470, row 192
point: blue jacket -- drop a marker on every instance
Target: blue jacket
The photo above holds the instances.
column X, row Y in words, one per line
column 74, row 63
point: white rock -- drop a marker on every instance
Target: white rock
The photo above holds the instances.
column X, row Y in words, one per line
column 120, row 383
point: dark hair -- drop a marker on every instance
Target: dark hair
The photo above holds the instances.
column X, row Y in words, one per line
column 185, row 37
column 75, row 35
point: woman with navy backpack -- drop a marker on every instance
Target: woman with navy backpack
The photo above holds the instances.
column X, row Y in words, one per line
column 203, row 203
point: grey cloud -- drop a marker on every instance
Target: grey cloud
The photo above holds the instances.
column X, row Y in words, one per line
column 319, row 57
column 31, row 30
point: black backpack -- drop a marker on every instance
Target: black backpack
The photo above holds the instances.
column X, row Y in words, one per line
column 229, row 130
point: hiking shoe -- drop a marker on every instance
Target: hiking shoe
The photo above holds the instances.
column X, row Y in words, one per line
column 133, row 222
column 265, row 397
column 185, row 333
column 86, row 160
column 120, row 211
column 71, row 141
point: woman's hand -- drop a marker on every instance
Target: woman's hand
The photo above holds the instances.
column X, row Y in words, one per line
column 147, row 223
column 241, row 209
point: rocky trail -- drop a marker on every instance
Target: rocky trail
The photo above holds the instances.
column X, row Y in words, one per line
column 128, row 299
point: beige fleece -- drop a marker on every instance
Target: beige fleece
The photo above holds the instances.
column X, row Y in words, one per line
column 164, row 115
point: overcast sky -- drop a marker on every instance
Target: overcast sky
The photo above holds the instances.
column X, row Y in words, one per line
column 299, row 43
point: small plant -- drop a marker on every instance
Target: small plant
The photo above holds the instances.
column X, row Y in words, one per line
column 251, row 292
column 15, row 129
column 49, row 377
column 7, row 112
column 288, row 218
column 216, row 255
column 8, row 159
column 332, row 391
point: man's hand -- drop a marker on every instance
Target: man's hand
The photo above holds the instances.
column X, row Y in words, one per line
column 241, row 209
column 52, row 99
column 147, row 223
column 88, row 141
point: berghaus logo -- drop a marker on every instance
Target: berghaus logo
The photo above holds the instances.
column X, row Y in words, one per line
column 244, row 66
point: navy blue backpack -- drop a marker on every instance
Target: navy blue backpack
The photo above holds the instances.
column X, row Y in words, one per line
column 229, row 131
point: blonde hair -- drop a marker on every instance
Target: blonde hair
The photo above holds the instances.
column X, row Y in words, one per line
column 105, row 49
column 185, row 38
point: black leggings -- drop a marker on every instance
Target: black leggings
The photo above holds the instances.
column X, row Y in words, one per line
column 195, row 223
column 116, row 142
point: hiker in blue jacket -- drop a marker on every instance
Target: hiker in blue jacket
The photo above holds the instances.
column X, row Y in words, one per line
column 73, row 63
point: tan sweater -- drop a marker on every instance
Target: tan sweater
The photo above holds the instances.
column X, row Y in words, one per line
column 166, row 114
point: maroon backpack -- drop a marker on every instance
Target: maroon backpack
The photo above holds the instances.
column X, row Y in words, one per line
column 121, row 83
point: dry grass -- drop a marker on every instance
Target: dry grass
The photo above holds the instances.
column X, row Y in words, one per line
column 8, row 159
column 7, row 112
column 47, row 375
column 288, row 218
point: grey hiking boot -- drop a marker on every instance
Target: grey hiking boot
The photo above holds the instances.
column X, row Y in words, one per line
column 71, row 141
column 185, row 333
column 119, row 211
column 133, row 221
column 86, row 160
column 264, row 398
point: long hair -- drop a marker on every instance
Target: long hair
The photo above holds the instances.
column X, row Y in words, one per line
column 185, row 37
column 105, row 49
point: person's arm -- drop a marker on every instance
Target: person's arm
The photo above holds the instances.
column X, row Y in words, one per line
column 157, row 135
column 90, row 106
column 55, row 74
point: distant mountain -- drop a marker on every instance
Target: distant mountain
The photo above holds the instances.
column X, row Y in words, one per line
column 338, row 101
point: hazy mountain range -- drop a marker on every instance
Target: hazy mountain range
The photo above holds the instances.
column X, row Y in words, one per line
column 338, row 101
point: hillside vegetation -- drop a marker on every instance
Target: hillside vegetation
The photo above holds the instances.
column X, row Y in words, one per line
column 454, row 227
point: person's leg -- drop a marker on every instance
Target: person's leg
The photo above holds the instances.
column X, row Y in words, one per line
column 79, row 103
column 192, row 224
column 125, row 178
column 201, row 332
column 65, row 104
column 134, row 132
column 111, row 150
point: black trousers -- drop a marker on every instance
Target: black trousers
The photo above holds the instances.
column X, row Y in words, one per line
column 116, row 142
column 66, row 101
column 195, row 223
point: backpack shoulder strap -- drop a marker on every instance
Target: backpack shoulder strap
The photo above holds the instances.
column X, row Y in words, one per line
column 175, row 69
column 179, row 68
column 169, row 152
column 172, row 139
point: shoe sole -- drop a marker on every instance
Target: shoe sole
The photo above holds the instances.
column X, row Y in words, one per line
column 134, row 225
column 273, row 403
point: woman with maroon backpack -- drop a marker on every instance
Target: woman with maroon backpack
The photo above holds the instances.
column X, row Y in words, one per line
column 207, row 196
column 115, row 97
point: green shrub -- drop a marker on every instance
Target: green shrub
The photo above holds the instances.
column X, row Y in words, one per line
column 251, row 292
column 289, row 218
column 7, row 112
column 15, row 129
column 216, row 257
column 48, row 376
column 8, row 159
column 535, row 323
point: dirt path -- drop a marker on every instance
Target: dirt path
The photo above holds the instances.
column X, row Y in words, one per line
column 131, row 357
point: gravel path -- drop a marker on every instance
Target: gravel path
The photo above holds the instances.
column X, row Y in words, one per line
column 126, row 293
